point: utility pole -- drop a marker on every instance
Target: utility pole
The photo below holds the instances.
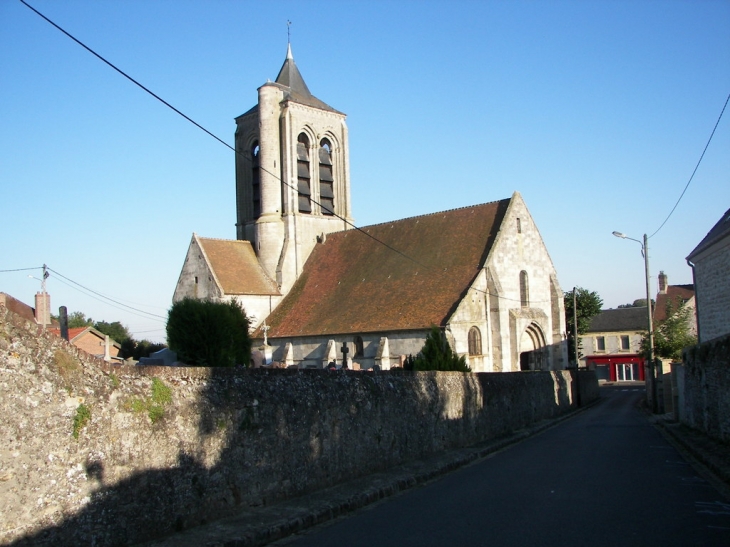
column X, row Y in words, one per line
column 575, row 328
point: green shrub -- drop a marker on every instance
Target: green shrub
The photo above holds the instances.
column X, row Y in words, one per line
column 81, row 418
column 436, row 354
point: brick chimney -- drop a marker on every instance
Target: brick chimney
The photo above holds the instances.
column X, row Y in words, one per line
column 662, row 283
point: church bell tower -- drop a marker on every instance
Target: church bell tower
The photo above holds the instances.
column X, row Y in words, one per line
column 292, row 174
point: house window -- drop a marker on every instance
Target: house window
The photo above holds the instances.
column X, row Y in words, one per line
column 524, row 290
column 255, row 180
column 326, row 180
column 304, row 189
column 600, row 343
column 625, row 344
column 359, row 347
column 475, row 341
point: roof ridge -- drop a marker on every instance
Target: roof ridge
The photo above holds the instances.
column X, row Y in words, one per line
column 424, row 215
column 224, row 239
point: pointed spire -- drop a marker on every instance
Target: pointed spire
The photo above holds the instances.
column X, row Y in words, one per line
column 290, row 76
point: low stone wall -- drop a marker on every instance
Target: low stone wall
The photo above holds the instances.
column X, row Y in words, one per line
column 706, row 388
column 97, row 454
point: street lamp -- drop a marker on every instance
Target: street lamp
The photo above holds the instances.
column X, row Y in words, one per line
column 645, row 254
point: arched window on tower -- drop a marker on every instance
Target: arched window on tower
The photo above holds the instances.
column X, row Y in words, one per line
column 304, row 188
column 255, row 180
column 475, row 341
column 524, row 290
column 326, row 180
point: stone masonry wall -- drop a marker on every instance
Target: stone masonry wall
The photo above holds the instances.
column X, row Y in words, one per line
column 712, row 271
column 706, row 390
column 98, row 454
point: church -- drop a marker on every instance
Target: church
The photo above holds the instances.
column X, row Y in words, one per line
column 319, row 290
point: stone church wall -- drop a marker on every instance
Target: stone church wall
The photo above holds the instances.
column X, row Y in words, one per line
column 113, row 455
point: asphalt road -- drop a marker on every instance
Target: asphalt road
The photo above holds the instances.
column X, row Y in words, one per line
column 605, row 477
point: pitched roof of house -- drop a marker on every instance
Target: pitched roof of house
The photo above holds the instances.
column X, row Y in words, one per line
column 75, row 333
column 675, row 295
column 402, row 275
column 718, row 231
column 235, row 266
column 17, row 307
column 621, row 319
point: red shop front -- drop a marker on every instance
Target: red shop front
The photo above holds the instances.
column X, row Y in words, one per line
column 617, row 368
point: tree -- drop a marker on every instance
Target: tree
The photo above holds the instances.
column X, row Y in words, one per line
column 116, row 331
column 588, row 305
column 639, row 303
column 436, row 354
column 672, row 334
column 208, row 333
column 77, row 319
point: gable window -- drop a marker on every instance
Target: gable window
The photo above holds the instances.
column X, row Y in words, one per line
column 600, row 343
column 255, row 180
column 475, row 341
column 519, row 226
column 304, row 188
column 625, row 343
column 359, row 347
column 326, row 180
column 524, row 290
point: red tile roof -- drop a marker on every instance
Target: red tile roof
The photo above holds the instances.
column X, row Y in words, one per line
column 402, row 275
column 676, row 295
column 236, row 267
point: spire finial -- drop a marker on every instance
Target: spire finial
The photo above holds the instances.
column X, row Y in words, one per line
column 288, row 40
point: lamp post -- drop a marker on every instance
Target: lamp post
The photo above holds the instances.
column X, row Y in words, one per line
column 645, row 253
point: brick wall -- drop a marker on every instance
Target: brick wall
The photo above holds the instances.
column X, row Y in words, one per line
column 228, row 438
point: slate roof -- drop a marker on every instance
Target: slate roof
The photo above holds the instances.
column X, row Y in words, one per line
column 296, row 90
column 403, row 275
column 290, row 77
column 676, row 294
column 718, row 231
column 236, row 267
column 621, row 319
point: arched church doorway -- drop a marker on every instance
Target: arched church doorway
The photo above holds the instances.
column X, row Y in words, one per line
column 532, row 349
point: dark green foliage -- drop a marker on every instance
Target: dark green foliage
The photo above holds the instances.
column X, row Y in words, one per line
column 436, row 354
column 588, row 305
column 77, row 319
column 672, row 335
column 206, row 333
column 138, row 349
column 639, row 303
column 116, row 331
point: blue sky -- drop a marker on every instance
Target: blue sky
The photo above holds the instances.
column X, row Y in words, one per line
column 595, row 111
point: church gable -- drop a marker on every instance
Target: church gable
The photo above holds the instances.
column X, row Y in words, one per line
column 236, row 267
column 217, row 268
column 401, row 275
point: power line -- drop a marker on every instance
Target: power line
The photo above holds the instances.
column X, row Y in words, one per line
column 22, row 269
column 244, row 155
column 696, row 167
column 124, row 306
